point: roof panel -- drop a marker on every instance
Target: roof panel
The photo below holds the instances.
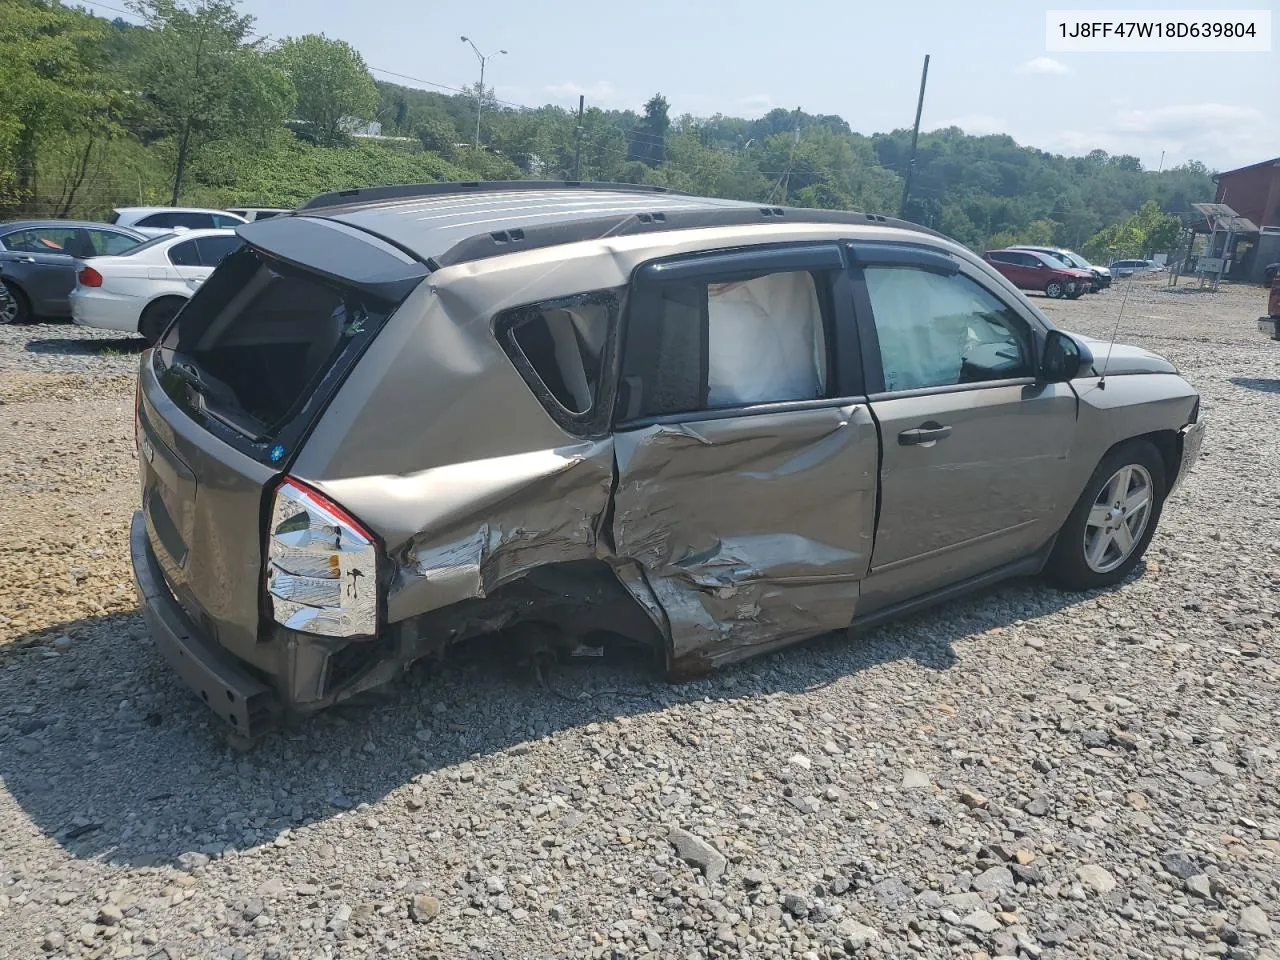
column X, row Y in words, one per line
column 432, row 225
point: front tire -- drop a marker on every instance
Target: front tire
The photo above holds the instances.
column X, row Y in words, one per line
column 1053, row 289
column 1111, row 525
column 157, row 317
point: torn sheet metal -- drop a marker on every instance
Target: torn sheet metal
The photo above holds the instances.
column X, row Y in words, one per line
column 721, row 516
column 457, row 532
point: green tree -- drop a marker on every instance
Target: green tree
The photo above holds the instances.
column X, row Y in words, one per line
column 205, row 79
column 55, row 81
column 649, row 136
column 331, row 81
column 1160, row 231
column 437, row 133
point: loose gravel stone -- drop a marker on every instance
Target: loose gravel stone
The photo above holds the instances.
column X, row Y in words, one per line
column 1254, row 921
column 126, row 796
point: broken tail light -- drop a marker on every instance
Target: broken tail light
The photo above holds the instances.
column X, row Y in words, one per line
column 321, row 566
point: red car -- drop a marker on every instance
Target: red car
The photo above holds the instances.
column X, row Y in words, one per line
column 1028, row 270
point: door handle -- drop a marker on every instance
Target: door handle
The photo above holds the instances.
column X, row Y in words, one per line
column 928, row 432
column 25, row 259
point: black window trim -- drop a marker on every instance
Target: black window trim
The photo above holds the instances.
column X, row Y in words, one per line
column 883, row 254
column 596, row 421
column 845, row 383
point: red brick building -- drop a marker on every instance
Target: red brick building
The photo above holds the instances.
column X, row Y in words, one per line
column 1253, row 192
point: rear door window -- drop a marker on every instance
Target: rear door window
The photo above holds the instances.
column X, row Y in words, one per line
column 716, row 343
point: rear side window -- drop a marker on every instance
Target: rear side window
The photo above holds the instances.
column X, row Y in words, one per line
column 707, row 344
column 185, row 254
column 213, row 250
column 108, row 243
column 559, row 348
column 256, row 350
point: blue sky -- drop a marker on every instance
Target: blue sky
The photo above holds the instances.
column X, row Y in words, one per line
column 989, row 70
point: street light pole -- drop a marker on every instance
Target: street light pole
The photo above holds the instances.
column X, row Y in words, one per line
column 480, row 92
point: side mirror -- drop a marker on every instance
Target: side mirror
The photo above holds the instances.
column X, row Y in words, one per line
column 1064, row 357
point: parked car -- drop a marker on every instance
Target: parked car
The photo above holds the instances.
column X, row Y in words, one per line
column 1101, row 275
column 1029, row 270
column 1270, row 324
column 39, row 260
column 1128, row 268
column 384, row 427
column 143, row 289
column 251, row 214
column 158, row 221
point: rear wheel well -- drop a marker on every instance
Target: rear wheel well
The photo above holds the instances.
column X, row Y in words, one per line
column 147, row 320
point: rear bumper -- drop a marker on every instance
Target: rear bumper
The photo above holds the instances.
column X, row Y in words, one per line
column 105, row 311
column 247, row 704
column 308, row 674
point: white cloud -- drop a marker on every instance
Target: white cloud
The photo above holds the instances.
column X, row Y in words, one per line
column 1045, row 66
column 756, row 102
column 976, row 124
column 1223, row 135
column 602, row 93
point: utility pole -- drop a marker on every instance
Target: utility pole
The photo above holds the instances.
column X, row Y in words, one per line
column 915, row 137
column 1161, row 170
column 577, row 147
column 480, row 91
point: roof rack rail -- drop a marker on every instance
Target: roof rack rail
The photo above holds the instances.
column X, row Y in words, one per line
column 496, row 243
column 412, row 191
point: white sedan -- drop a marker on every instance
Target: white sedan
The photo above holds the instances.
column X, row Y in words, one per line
column 142, row 290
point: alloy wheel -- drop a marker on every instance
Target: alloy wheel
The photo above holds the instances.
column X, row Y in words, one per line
column 8, row 305
column 1118, row 518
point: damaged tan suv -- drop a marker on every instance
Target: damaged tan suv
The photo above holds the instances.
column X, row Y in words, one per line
column 403, row 417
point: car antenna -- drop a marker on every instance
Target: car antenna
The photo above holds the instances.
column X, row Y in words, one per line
column 1102, row 379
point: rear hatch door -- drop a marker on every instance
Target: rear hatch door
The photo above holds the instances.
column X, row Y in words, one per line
column 231, row 391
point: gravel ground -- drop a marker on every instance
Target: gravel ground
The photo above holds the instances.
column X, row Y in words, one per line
column 1023, row 773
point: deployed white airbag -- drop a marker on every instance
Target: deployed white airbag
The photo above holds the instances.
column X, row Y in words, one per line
column 766, row 341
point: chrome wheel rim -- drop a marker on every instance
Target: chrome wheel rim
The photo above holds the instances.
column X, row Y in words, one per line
column 1118, row 518
column 1054, row 290
column 8, row 305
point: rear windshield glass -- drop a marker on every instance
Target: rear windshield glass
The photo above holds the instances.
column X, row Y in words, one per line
column 260, row 347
